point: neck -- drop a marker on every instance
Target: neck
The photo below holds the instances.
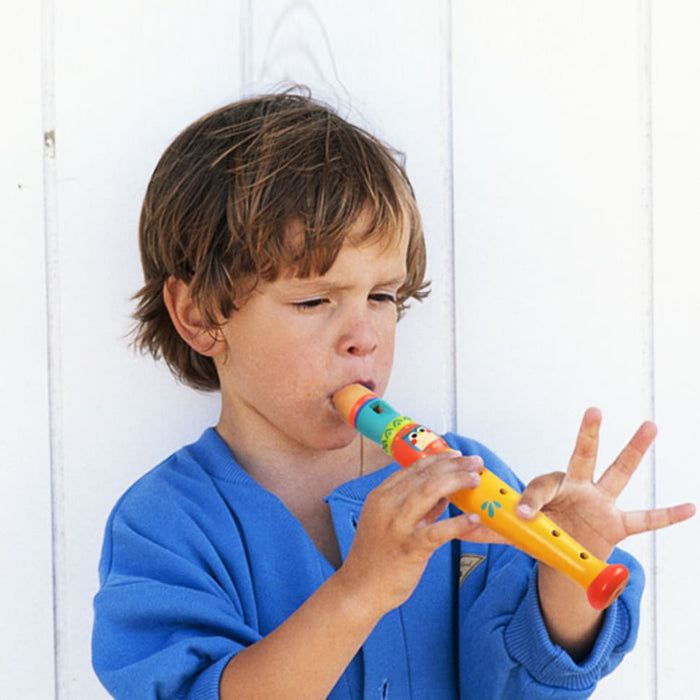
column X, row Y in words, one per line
column 302, row 477
column 283, row 468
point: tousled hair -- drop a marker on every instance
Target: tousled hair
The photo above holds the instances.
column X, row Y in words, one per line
column 227, row 194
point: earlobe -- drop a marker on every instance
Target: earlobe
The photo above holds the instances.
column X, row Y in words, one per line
column 188, row 320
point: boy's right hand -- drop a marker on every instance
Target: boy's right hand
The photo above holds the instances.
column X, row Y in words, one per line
column 399, row 530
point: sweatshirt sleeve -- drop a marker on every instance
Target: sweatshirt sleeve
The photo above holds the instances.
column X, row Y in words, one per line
column 166, row 619
column 504, row 647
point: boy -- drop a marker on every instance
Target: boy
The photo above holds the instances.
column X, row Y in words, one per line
column 280, row 556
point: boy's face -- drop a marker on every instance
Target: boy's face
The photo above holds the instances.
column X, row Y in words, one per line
column 296, row 341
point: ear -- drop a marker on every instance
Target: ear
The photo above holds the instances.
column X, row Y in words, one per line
column 188, row 319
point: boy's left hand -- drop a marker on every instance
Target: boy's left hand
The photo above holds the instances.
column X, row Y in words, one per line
column 585, row 508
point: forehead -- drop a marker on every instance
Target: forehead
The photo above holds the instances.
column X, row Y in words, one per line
column 314, row 252
column 361, row 265
column 389, row 244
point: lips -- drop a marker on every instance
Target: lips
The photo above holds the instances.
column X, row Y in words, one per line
column 367, row 383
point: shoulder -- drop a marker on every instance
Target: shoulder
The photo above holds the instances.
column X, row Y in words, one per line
column 178, row 474
column 178, row 506
column 192, row 473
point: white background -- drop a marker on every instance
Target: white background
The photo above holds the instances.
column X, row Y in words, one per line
column 554, row 148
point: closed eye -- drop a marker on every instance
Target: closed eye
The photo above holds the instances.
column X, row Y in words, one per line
column 309, row 304
column 383, row 298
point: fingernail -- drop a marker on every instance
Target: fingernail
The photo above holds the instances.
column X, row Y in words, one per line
column 523, row 510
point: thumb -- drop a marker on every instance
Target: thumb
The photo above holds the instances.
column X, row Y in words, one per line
column 538, row 493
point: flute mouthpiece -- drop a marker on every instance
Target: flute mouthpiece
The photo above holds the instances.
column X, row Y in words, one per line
column 347, row 398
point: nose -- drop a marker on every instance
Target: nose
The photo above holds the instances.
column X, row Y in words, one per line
column 359, row 336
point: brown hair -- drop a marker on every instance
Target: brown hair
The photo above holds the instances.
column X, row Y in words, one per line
column 227, row 192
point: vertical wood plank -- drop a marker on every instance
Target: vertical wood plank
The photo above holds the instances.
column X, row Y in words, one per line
column 26, row 597
column 676, row 187
column 129, row 77
column 552, row 246
column 384, row 65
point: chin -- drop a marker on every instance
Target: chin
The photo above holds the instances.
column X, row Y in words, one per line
column 340, row 437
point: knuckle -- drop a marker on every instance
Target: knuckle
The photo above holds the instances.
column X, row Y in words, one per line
column 428, row 490
column 543, row 480
column 432, row 540
column 474, row 462
column 406, row 549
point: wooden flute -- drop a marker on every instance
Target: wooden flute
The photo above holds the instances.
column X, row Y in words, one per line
column 494, row 501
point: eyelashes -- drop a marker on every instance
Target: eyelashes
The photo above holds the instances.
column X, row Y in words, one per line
column 318, row 302
column 309, row 304
column 384, row 298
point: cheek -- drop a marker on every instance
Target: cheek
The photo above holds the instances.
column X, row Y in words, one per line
column 386, row 349
column 294, row 362
column 388, row 332
column 386, row 345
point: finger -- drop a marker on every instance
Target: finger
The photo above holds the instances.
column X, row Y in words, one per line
column 433, row 485
column 403, row 481
column 583, row 460
column 413, row 494
column 540, row 491
column 647, row 520
column 442, row 531
column 476, row 532
column 618, row 474
column 436, row 511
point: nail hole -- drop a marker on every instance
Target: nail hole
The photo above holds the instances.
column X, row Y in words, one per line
column 584, row 555
column 503, row 491
column 556, row 533
column 378, row 408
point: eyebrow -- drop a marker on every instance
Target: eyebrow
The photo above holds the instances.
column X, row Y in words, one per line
column 394, row 281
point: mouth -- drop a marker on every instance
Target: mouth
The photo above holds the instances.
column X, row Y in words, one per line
column 369, row 384
column 348, row 398
column 366, row 383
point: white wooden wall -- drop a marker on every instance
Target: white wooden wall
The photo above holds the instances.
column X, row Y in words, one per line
column 555, row 149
